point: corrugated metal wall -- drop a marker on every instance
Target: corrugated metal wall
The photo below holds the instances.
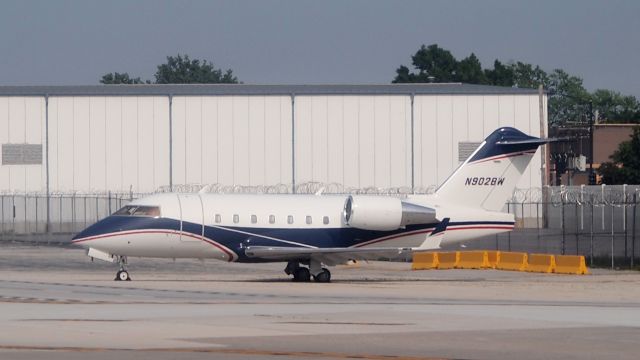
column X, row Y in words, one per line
column 123, row 143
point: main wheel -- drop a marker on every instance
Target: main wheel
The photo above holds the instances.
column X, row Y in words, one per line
column 301, row 274
column 323, row 277
column 123, row 275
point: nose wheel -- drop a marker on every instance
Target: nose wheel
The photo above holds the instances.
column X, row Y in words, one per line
column 122, row 274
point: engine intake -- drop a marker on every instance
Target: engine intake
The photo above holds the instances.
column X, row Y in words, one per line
column 384, row 213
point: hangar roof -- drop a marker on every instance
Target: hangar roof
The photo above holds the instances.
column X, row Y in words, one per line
column 243, row 89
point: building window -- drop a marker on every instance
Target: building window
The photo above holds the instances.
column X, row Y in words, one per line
column 236, row 218
column 309, row 220
column 254, row 219
column 272, row 219
column 325, row 220
column 218, row 219
column 21, row 154
column 290, row 219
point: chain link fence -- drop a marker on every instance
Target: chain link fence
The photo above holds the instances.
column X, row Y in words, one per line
column 600, row 222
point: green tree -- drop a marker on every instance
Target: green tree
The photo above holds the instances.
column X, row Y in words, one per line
column 614, row 107
column 625, row 165
column 528, row 76
column 183, row 70
column 469, row 70
column 120, row 78
column 433, row 63
column 568, row 99
column 500, row 75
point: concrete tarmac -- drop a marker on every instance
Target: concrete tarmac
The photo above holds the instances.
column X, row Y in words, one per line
column 56, row 304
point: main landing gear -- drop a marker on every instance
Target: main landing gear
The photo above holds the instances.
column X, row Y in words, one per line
column 122, row 274
column 304, row 274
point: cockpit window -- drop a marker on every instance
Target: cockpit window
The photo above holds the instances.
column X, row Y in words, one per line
column 135, row 210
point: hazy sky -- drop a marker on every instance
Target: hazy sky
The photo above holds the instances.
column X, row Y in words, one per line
column 313, row 42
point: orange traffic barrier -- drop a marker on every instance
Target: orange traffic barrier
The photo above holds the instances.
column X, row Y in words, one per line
column 571, row 264
column 448, row 260
column 542, row 263
column 473, row 260
column 512, row 261
column 493, row 257
column 424, row 261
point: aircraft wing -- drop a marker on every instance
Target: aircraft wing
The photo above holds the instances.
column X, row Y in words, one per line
column 335, row 256
column 328, row 256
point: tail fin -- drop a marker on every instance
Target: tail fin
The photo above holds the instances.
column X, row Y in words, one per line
column 489, row 176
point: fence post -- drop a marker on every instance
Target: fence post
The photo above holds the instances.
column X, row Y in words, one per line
column 624, row 218
column 13, row 221
column 84, row 209
column 582, row 207
column 577, row 229
column 562, row 219
column 612, row 237
column 2, row 211
column 591, row 236
column 26, row 223
column 36, row 198
column 603, row 205
column 633, row 239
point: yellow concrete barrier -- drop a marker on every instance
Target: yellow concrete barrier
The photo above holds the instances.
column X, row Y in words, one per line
column 493, row 257
column 424, row 261
column 473, row 260
column 512, row 261
column 571, row 264
column 541, row 263
column 448, row 260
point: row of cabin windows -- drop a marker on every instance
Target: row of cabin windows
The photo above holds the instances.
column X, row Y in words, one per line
column 272, row 219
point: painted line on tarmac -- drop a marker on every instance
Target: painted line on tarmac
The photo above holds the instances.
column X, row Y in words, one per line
column 228, row 351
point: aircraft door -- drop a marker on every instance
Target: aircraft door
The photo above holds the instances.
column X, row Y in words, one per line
column 191, row 217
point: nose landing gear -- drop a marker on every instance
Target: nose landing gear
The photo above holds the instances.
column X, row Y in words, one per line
column 122, row 274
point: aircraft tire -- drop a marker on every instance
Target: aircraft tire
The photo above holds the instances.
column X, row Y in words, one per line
column 301, row 274
column 323, row 277
column 122, row 275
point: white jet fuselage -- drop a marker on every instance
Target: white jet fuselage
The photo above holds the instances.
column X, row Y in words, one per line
column 222, row 226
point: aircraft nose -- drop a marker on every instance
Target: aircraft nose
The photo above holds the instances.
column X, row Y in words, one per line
column 94, row 230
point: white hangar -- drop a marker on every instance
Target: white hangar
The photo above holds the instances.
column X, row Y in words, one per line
column 121, row 138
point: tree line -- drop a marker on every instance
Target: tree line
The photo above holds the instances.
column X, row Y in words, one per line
column 179, row 69
column 568, row 99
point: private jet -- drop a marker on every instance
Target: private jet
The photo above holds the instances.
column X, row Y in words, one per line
column 312, row 232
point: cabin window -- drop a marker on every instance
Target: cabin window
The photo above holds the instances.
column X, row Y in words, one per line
column 325, row 220
column 290, row 219
column 135, row 210
column 236, row 218
column 218, row 218
column 272, row 219
column 254, row 219
column 309, row 220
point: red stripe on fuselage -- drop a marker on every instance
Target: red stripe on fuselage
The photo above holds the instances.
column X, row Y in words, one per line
column 224, row 249
column 498, row 157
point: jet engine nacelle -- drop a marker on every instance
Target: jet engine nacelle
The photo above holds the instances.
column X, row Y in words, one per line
column 384, row 213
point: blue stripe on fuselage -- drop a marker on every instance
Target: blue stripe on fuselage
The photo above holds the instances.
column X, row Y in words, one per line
column 236, row 238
